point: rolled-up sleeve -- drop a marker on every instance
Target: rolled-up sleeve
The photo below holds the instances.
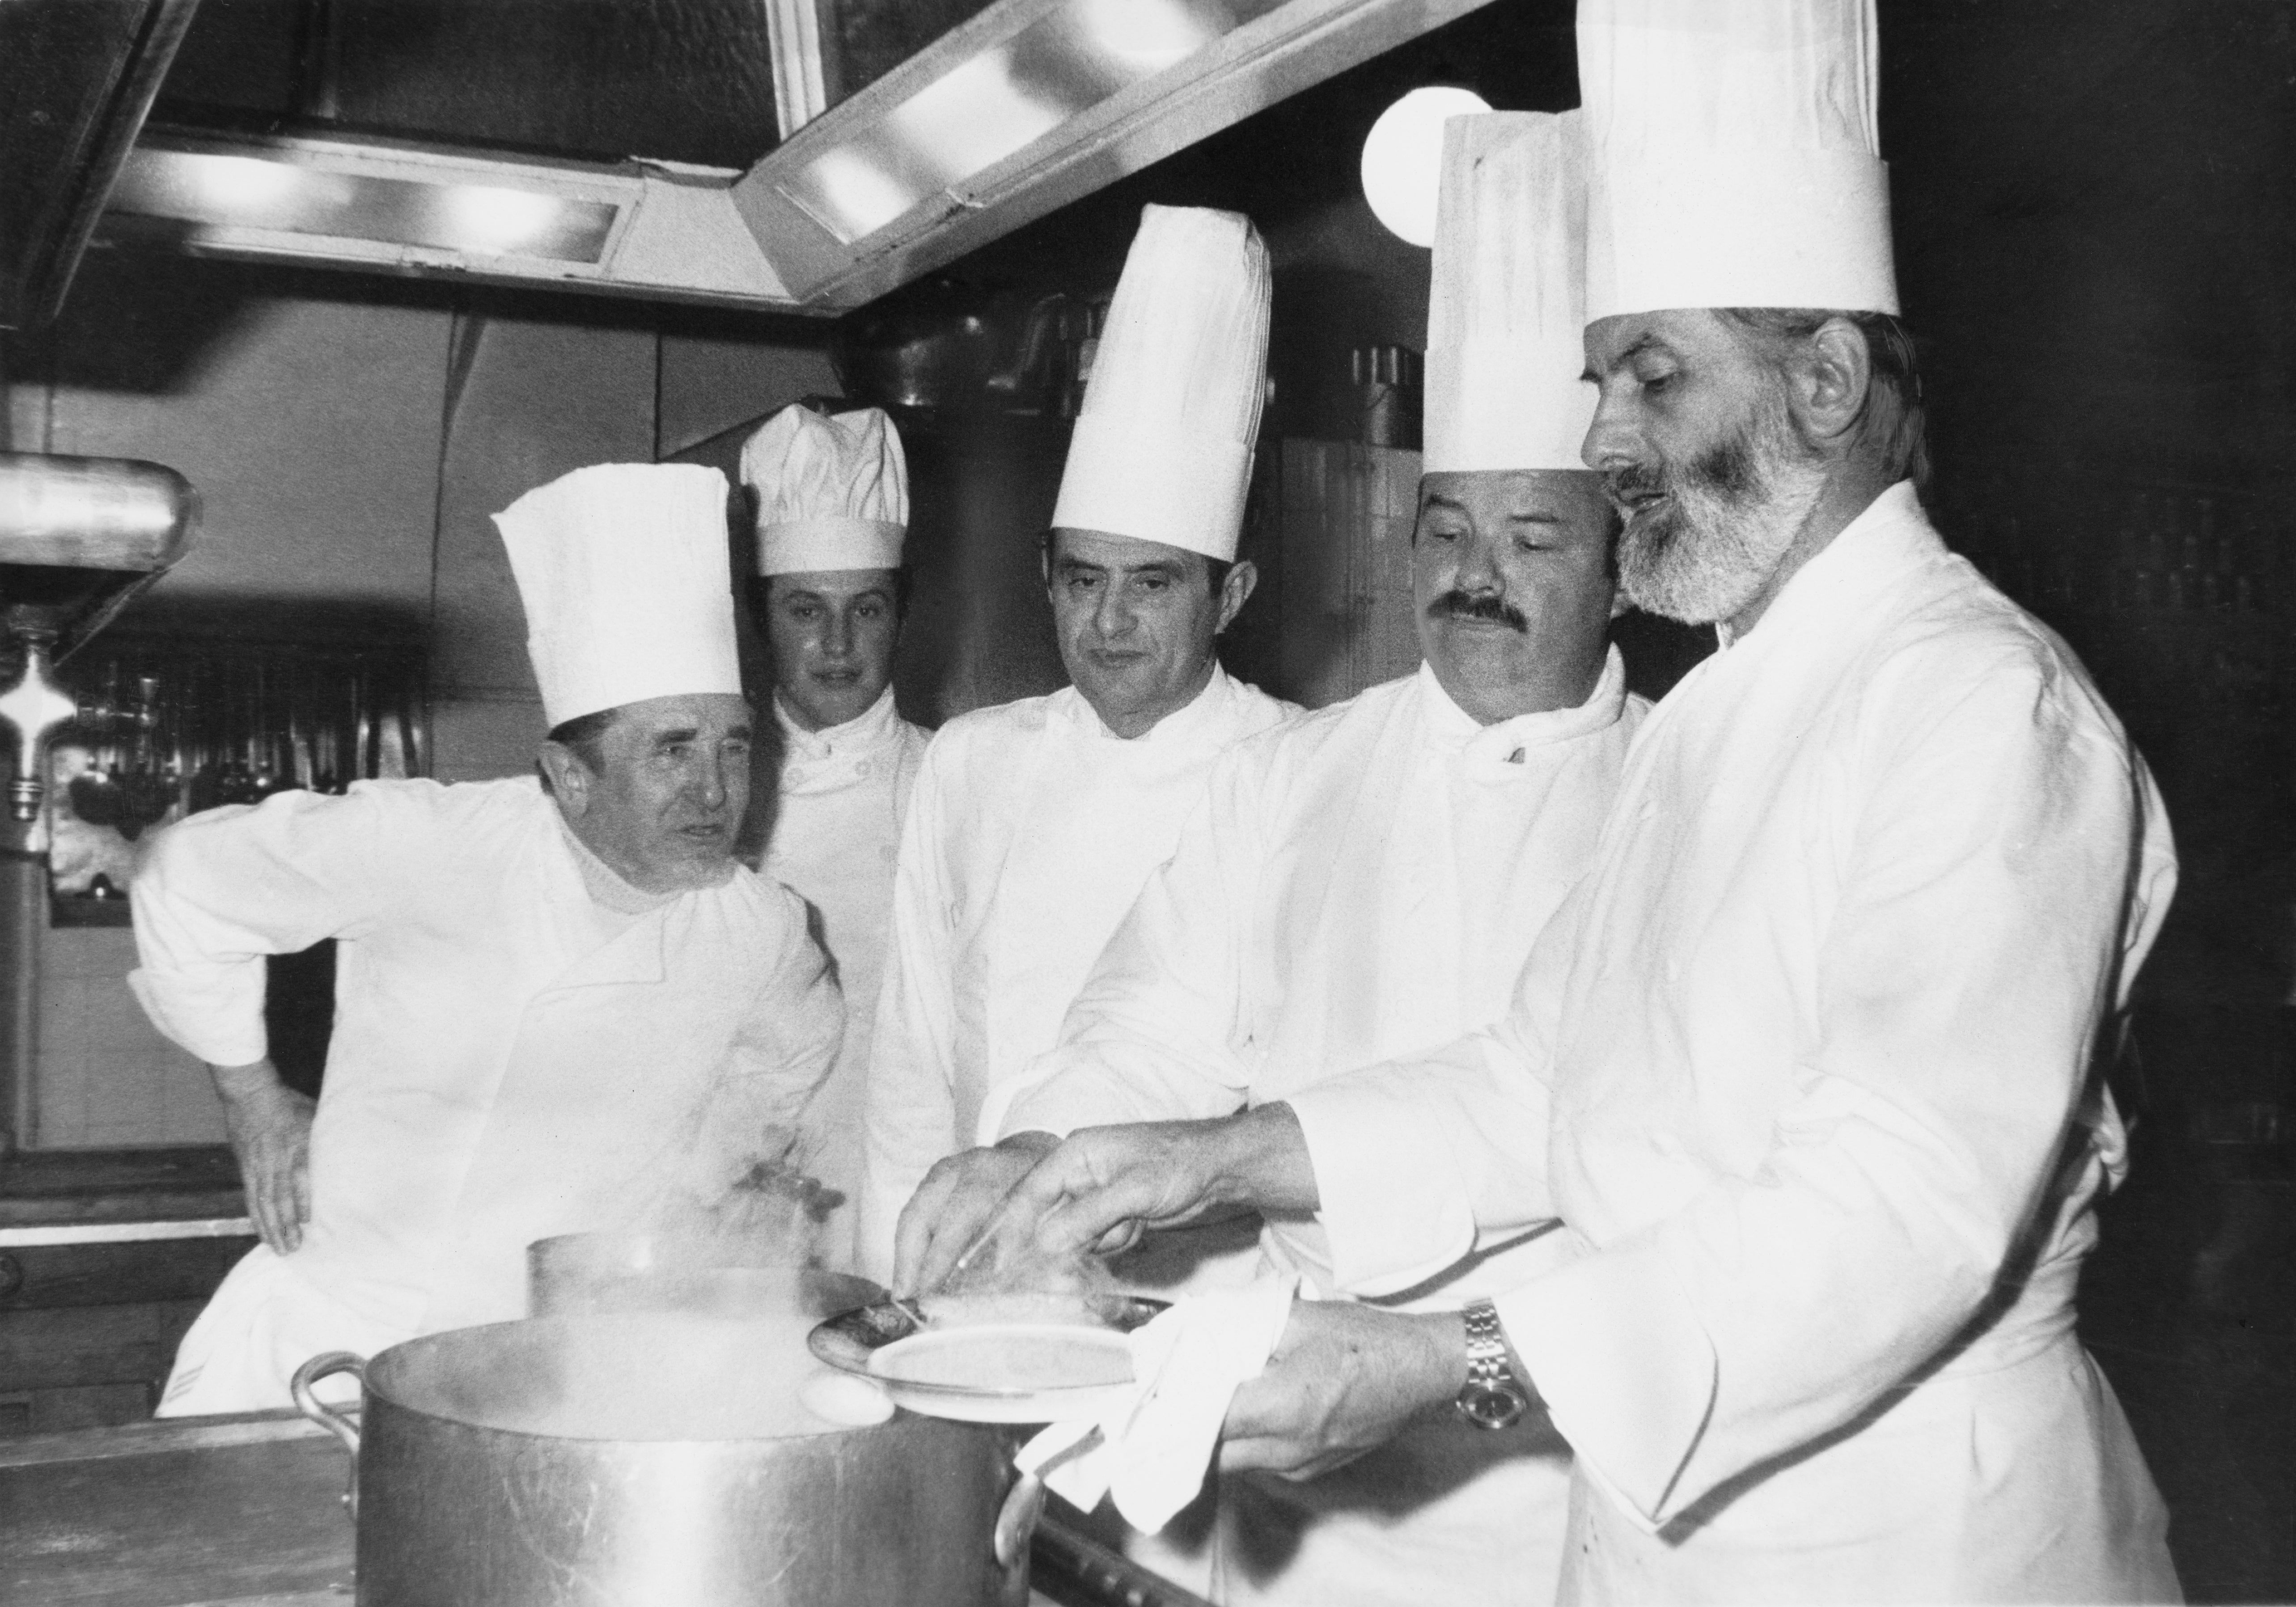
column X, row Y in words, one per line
column 218, row 892
column 1418, row 1164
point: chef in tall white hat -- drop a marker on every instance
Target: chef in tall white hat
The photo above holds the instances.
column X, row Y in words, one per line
column 1035, row 822
column 1366, row 882
column 832, row 510
column 1806, row 1068
column 561, row 1003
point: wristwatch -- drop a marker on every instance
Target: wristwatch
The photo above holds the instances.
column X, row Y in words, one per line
column 1490, row 1398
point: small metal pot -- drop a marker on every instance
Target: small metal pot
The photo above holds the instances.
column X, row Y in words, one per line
column 460, row 1501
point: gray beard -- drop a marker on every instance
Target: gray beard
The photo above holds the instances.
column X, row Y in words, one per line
column 1732, row 516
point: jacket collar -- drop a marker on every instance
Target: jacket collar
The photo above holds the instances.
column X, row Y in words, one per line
column 576, row 883
column 874, row 726
column 1890, row 538
column 1200, row 715
column 1455, row 729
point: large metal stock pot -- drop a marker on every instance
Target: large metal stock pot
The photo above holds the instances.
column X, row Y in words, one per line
column 652, row 1459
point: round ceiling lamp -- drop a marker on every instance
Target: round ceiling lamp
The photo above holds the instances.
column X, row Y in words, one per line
column 1403, row 158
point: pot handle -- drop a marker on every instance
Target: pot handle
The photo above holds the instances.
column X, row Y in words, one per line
column 326, row 1366
column 1016, row 1520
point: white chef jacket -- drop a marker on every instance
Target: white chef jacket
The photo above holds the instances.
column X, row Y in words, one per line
column 1362, row 884
column 1030, row 832
column 1805, row 1067
column 514, row 1055
column 837, row 836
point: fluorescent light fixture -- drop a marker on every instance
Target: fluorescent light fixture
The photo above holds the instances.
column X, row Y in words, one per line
column 990, row 105
column 1403, row 158
column 213, row 190
column 1137, row 39
column 244, row 183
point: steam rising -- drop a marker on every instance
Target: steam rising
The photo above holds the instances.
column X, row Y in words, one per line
column 657, row 1376
column 1007, row 1278
column 753, row 1205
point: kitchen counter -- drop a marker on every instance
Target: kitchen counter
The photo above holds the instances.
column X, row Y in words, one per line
column 106, row 1256
column 244, row 1510
column 41, row 1187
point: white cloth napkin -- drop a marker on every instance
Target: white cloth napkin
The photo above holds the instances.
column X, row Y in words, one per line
column 1149, row 1452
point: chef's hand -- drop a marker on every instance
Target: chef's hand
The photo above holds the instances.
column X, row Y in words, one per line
column 944, row 1218
column 270, row 1128
column 1105, row 1186
column 1343, row 1380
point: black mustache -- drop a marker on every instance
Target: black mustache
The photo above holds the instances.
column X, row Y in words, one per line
column 1459, row 605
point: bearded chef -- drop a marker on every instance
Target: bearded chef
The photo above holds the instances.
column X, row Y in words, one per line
column 1035, row 824
column 1804, row 1068
column 832, row 509
column 563, row 1006
column 1365, row 883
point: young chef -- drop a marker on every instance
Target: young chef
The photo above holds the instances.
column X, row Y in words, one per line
column 1035, row 824
column 1365, row 884
column 562, row 1006
column 833, row 508
column 1805, row 1066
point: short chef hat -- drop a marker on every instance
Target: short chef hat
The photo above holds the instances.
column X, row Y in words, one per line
column 1162, row 451
column 623, row 571
column 832, row 491
column 1736, row 155
column 1504, row 345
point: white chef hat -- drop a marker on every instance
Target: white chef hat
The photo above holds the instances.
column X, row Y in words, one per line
column 1162, row 451
column 833, row 490
column 1736, row 155
column 628, row 595
column 1504, row 327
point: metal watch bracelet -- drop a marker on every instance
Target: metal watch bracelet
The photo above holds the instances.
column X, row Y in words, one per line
column 1492, row 1398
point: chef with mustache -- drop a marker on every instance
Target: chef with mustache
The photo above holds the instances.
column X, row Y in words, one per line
column 1364, row 884
column 561, row 1004
column 1807, row 1068
column 831, row 514
column 1035, row 824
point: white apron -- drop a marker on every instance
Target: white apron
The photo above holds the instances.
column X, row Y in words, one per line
column 511, row 1060
column 1806, row 1065
column 1362, row 884
column 836, row 837
column 1030, row 832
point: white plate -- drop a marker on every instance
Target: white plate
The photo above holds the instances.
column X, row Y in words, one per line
column 852, row 1341
column 1005, row 1372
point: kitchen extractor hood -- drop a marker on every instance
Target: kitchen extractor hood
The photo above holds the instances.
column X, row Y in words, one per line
column 77, row 77
column 1024, row 107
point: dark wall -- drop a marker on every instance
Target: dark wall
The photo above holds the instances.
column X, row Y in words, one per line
column 2095, row 242
column 2093, row 221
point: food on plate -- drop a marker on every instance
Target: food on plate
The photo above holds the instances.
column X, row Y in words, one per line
column 1044, row 1310
column 1008, row 1357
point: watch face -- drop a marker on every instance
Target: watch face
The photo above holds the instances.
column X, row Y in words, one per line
column 1489, row 1406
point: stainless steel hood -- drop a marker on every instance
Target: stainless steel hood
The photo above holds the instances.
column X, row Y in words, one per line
column 77, row 77
column 1023, row 108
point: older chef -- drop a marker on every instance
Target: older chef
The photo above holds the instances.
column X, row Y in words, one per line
column 1807, row 1065
column 1035, row 824
column 561, row 1007
column 1365, row 884
column 833, row 508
